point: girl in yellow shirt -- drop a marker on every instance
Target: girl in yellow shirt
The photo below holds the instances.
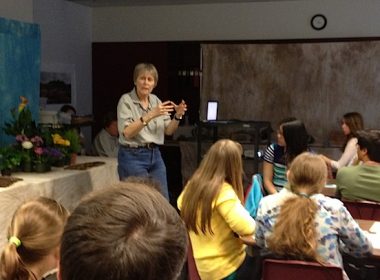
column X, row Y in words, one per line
column 212, row 210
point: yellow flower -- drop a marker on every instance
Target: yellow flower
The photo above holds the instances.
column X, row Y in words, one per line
column 58, row 140
column 23, row 103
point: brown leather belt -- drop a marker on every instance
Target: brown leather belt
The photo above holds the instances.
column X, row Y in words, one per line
column 143, row 146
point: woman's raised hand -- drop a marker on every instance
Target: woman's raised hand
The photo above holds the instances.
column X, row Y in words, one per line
column 180, row 109
column 164, row 108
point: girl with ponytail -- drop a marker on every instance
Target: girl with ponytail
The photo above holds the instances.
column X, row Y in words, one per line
column 34, row 238
column 301, row 223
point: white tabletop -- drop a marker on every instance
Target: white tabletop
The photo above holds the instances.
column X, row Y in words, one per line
column 65, row 186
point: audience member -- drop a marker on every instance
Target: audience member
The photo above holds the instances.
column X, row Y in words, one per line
column 33, row 241
column 362, row 181
column 292, row 139
column 106, row 142
column 351, row 123
column 301, row 223
column 65, row 115
column 128, row 231
column 212, row 210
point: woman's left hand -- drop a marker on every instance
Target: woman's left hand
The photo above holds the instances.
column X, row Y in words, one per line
column 180, row 109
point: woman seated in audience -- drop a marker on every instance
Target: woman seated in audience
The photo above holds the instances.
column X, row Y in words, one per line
column 300, row 223
column 212, row 210
column 292, row 139
column 351, row 123
column 34, row 237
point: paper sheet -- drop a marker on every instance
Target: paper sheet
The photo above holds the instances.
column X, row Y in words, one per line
column 375, row 228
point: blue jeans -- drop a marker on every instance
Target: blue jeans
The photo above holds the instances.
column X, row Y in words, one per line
column 143, row 162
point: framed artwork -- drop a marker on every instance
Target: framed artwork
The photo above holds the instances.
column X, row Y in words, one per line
column 57, row 85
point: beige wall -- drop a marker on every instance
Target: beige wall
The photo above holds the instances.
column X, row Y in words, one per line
column 237, row 21
column 21, row 10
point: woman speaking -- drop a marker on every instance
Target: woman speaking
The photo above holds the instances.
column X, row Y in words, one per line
column 143, row 121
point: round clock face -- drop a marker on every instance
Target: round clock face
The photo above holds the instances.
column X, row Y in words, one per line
column 318, row 22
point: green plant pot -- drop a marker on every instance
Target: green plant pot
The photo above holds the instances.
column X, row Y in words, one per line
column 41, row 167
column 6, row 172
column 27, row 166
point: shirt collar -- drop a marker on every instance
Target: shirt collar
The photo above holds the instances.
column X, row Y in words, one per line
column 136, row 99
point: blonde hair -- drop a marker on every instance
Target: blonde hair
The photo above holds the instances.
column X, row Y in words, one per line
column 38, row 224
column 294, row 233
column 145, row 67
column 222, row 163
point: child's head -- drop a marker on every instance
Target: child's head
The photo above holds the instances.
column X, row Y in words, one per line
column 222, row 163
column 125, row 231
column 35, row 233
column 307, row 174
column 294, row 233
column 351, row 123
column 224, row 160
column 296, row 138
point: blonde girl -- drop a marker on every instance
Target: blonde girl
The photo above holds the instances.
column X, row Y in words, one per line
column 301, row 223
column 211, row 207
column 33, row 240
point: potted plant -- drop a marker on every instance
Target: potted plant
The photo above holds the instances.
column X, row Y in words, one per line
column 74, row 148
column 10, row 158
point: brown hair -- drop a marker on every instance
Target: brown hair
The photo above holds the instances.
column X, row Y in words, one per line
column 126, row 231
column 294, row 233
column 354, row 121
column 222, row 163
column 38, row 224
column 370, row 139
column 145, row 67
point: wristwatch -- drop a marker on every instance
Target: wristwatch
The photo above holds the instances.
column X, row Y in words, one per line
column 143, row 122
column 176, row 118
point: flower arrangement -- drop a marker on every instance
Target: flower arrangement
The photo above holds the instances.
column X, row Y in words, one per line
column 36, row 145
column 22, row 120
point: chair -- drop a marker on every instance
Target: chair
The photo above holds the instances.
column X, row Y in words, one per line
column 253, row 195
column 363, row 209
column 294, row 270
column 191, row 267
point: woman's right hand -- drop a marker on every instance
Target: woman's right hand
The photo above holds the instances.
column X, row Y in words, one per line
column 162, row 109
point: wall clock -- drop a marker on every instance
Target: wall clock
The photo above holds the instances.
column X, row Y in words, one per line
column 318, row 22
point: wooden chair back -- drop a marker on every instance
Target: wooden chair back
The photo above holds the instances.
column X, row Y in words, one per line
column 274, row 269
column 363, row 209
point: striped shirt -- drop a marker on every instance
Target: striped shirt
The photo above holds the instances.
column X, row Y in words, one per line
column 275, row 155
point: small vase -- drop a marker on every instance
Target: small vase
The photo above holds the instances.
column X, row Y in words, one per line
column 6, row 172
column 73, row 158
column 59, row 163
column 41, row 167
column 27, row 166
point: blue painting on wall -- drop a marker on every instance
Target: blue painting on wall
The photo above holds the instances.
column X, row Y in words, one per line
column 20, row 45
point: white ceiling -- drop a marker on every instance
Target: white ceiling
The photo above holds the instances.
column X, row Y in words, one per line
column 110, row 3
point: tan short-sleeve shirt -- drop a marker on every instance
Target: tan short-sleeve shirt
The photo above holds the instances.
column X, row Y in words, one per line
column 129, row 110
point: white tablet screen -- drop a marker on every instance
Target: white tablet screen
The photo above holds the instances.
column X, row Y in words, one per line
column 212, row 110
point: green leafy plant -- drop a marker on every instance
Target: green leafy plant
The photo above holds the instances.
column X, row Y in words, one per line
column 22, row 121
column 73, row 137
column 10, row 157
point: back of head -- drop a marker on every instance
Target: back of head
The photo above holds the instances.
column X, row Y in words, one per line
column 128, row 231
column 296, row 138
column 354, row 121
column 294, row 234
column 221, row 163
column 35, row 231
column 67, row 108
column 109, row 117
column 370, row 140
